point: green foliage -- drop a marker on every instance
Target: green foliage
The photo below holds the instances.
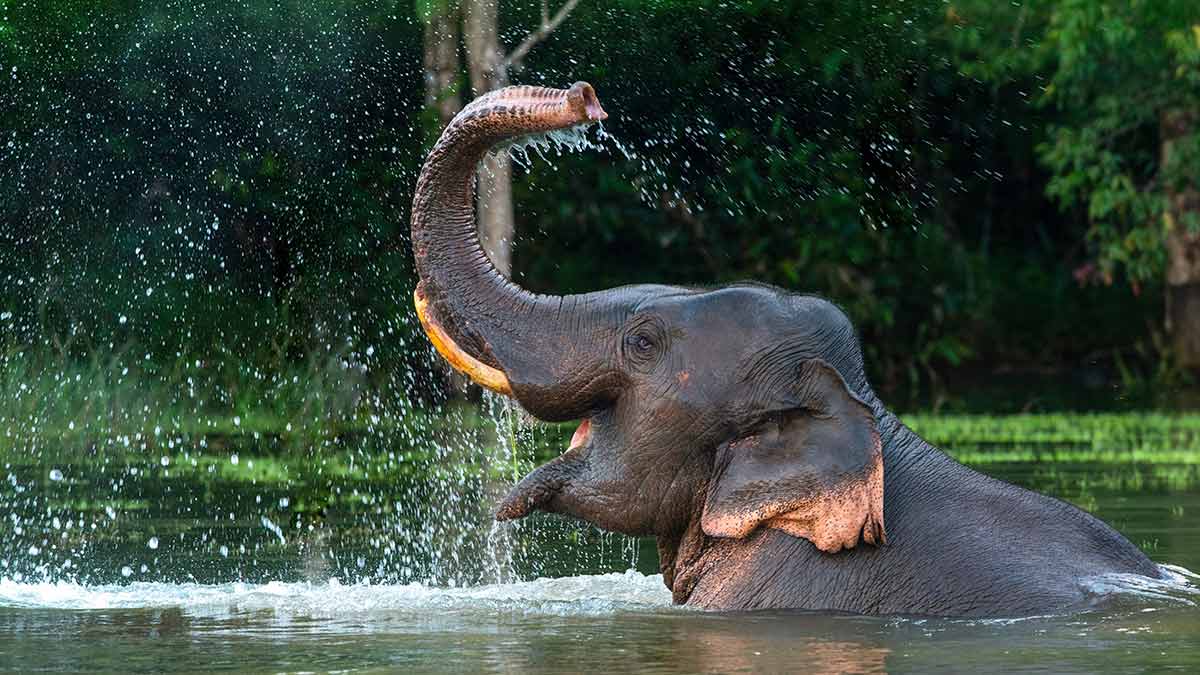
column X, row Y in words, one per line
column 192, row 184
column 1084, row 438
column 902, row 182
column 1114, row 69
column 177, row 189
column 44, row 396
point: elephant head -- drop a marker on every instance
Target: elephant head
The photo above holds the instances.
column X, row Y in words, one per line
column 735, row 408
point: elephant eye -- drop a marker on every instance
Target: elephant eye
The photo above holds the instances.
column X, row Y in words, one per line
column 639, row 344
column 644, row 342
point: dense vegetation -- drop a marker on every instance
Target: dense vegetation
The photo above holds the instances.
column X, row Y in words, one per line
column 217, row 194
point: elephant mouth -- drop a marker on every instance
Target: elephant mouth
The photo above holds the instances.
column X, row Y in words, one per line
column 542, row 489
column 582, row 435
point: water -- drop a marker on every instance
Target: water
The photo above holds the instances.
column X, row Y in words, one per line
column 343, row 557
column 614, row 622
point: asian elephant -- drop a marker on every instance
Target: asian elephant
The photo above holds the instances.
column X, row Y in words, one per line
column 734, row 424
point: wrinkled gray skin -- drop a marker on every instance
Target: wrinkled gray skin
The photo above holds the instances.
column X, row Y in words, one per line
column 737, row 426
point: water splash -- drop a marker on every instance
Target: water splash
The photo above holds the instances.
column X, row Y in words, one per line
column 606, row 137
column 506, row 461
column 564, row 596
column 500, row 550
column 1179, row 586
column 559, row 141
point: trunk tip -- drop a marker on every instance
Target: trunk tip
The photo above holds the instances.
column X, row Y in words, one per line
column 583, row 101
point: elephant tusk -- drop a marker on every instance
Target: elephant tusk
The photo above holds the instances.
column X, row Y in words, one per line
column 483, row 374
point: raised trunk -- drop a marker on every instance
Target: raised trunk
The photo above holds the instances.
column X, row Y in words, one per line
column 485, row 63
column 1183, row 243
column 545, row 350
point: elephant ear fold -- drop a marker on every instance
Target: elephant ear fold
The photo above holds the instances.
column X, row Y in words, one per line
column 814, row 471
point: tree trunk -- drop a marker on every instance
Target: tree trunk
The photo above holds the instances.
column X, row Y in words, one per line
column 496, row 225
column 442, row 93
column 441, row 61
column 1183, row 246
column 486, row 65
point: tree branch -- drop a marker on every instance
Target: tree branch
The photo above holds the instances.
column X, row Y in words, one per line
column 517, row 55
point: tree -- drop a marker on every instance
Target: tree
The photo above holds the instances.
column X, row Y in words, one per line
column 488, row 68
column 442, row 95
column 1125, row 80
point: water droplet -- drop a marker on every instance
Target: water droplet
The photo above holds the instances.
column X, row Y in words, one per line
column 56, row 475
column 233, row 459
column 126, row 571
column 153, row 543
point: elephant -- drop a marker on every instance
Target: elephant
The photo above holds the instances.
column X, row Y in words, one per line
column 735, row 425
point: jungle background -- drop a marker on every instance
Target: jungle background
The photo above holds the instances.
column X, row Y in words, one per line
column 205, row 205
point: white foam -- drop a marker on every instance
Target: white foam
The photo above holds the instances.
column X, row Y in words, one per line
column 1177, row 587
column 579, row 595
column 586, row 595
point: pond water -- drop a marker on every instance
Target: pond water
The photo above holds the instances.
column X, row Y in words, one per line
column 228, row 553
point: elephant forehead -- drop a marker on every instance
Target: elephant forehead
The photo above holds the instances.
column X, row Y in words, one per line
column 739, row 323
column 723, row 310
column 754, row 335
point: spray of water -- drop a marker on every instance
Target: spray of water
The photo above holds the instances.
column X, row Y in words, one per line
column 558, row 142
column 110, row 480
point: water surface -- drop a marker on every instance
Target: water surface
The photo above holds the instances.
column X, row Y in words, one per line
column 613, row 622
column 236, row 555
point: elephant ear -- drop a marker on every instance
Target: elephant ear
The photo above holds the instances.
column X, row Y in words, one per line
column 814, row 471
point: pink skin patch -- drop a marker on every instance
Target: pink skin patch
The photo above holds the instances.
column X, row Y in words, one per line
column 582, row 435
column 836, row 516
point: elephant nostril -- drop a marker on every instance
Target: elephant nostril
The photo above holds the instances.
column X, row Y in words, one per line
column 582, row 435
